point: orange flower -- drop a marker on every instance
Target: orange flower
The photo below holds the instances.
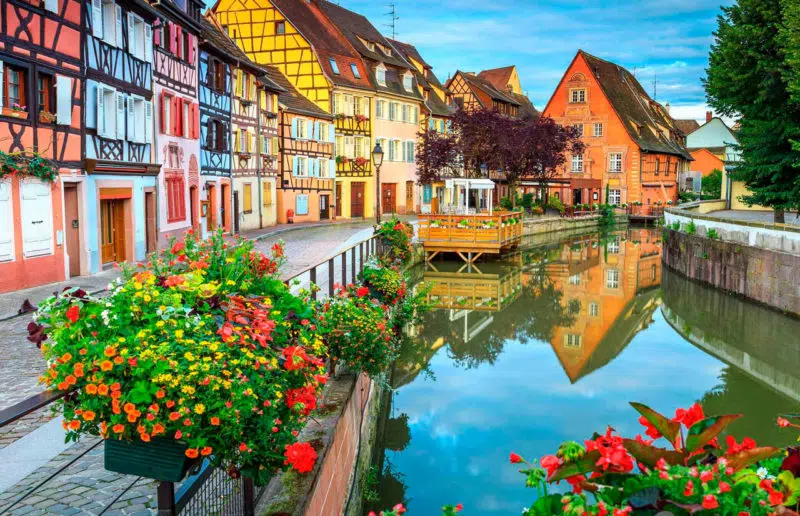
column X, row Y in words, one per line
column 102, row 389
column 158, row 429
column 129, row 407
column 173, row 416
column 170, row 403
column 88, row 415
column 215, row 421
column 83, row 351
column 106, row 365
column 154, row 408
column 62, row 386
column 118, row 428
column 205, row 451
column 132, row 417
column 66, row 357
column 109, row 351
column 145, row 437
column 116, row 394
column 91, row 389
column 116, row 386
column 103, row 428
column 70, row 380
column 160, row 394
column 74, row 424
column 192, row 453
column 118, row 360
column 77, row 370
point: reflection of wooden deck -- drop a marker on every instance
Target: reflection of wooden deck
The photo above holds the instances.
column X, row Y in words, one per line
column 474, row 235
column 473, row 291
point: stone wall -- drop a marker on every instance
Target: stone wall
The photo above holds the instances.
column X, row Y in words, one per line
column 764, row 275
column 540, row 225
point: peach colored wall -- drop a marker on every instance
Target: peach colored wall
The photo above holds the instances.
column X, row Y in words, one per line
column 287, row 200
column 397, row 172
column 705, row 161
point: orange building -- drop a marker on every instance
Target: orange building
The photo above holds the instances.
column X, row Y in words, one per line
column 41, row 114
column 706, row 161
column 600, row 283
column 634, row 150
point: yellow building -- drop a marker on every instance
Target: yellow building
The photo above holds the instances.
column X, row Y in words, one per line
column 300, row 40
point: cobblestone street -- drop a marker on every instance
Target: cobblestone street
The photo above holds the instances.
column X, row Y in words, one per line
column 74, row 481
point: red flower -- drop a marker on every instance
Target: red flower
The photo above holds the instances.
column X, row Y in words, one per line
column 724, row 487
column 733, row 447
column 710, row 502
column 174, row 281
column 576, row 482
column 689, row 491
column 301, row 456
column 74, row 313
column 178, row 247
column 651, row 430
column 514, row 458
column 783, row 422
column 296, row 357
column 306, row 396
column 277, row 250
column 706, row 476
column 689, row 416
column 362, row 291
column 459, row 507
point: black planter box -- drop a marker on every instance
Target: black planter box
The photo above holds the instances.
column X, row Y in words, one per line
column 161, row 459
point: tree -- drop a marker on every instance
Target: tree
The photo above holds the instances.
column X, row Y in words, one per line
column 548, row 144
column 753, row 72
column 712, row 184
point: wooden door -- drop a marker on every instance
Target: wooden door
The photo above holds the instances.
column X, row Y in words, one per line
column 211, row 219
column 409, row 196
column 224, row 203
column 338, row 199
column 324, row 207
column 72, row 223
column 357, row 199
column 194, row 206
column 112, row 228
column 150, row 221
column 388, row 198
column 235, row 210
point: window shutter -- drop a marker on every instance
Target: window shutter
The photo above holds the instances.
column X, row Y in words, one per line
column 295, row 165
column 162, row 119
column 118, row 18
column 365, row 106
column 253, row 147
column 318, row 132
column 101, row 111
column 148, row 43
column 331, row 133
column 133, row 133
column 266, row 196
column 120, row 100
column 6, row 223
column 192, row 46
column 51, row 5
column 2, row 78
column 148, row 122
column 97, row 18
column 173, row 38
column 332, row 168
column 131, row 35
column 37, row 219
column 63, row 99
column 391, row 151
column 175, row 115
column 157, row 31
column 294, row 128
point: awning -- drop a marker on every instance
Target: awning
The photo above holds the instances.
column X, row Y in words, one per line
column 472, row 184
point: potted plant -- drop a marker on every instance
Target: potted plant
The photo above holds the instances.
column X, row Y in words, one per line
column 463, row 223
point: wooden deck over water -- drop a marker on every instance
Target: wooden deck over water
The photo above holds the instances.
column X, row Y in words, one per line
column 471, row 234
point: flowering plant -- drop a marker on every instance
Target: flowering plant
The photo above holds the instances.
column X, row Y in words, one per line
column 385, row 282
column 396, row 239
column 32, row 165
column 361, row 161
column 696, row 475
column 18, row 108
column 361, row 118
column 342, row 160
column 203, row 345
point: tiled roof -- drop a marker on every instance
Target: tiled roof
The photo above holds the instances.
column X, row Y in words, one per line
column 411, row 52
column 213, row 37
column 291, row 99
column 640, row 115
column 497, row 77
column 327, row 41
column 687, row 126
column 526, row 109
column 489, row 89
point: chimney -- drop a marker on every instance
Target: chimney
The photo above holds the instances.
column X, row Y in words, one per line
column 708, row 116
column 667, row 107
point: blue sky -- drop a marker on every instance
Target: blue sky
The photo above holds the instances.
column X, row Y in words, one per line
column 667, row 38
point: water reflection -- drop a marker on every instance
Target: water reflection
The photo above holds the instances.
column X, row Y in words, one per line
column 551, row 345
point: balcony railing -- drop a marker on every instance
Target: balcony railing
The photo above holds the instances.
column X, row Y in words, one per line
column 352, row 124
column 350, row 166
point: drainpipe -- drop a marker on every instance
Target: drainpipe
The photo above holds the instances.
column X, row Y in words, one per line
column 258, row 158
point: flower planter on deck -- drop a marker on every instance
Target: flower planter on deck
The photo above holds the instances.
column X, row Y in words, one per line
column 162, row 459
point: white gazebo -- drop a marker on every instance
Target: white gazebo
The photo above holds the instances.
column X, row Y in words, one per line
column 459, row 192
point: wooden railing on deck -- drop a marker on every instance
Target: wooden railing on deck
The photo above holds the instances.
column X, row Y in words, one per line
column 482, row 232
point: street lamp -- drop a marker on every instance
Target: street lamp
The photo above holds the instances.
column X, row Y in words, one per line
column 377, row 160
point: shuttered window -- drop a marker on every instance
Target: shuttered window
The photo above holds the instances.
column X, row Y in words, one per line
column 247, row 198
column 6, row 223
column 266, row 194
column 176, row 200
column 37, row 219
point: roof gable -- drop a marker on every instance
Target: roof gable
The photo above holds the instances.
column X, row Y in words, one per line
column 714, row 133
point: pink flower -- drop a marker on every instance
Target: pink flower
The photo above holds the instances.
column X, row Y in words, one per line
column 550, row 463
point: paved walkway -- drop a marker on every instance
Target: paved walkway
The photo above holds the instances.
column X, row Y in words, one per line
column 757, row 216
column 83, row 486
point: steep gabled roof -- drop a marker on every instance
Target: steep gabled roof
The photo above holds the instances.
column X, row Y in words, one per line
column 434, row 103
column 482, row 84
column 291, row 99
column 326, row 40
column 411, row 52
column 687, row 126
column 642, row 117
column 498, row 77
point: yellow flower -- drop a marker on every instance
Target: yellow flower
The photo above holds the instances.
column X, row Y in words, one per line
column 160, row 324
column 188, row 356
column 137, row 285
column 178, row 334
column 147, row 298
column 199, row 408
column 187, row 389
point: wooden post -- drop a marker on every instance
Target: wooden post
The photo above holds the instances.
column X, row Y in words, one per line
column 248, row 492
column 344, row 268
column 330, row 277
column 166, row 499
column 312, row 276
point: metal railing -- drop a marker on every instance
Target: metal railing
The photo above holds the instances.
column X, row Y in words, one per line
column 212, row 490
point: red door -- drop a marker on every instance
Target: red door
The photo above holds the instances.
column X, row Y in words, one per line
column 388, row 198
column 357, row 200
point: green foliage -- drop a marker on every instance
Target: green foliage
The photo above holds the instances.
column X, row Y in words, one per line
column 27, row 165
column 527, row 200
column 385, row 282
column 691, row 228
column 505, row 203
column 606, row 215
column 712, row 234
column 371, row 485
column 712, row 184
column 675, row 226
column 556, row 204
column 395, row 238
column 760, row 82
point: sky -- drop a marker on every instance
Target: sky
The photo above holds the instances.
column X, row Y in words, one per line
column 667, row 39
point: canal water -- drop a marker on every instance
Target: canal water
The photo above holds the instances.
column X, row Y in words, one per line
column 551, row 344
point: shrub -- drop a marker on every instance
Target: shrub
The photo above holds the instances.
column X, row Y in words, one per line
column 395, row 237
column 527, row 200
column 505, row 203
column 712, row 184
column 712, row 234
column 385, row 282
column 675, row 226
column 556, row 204
column 204, row 345
column 691, row 228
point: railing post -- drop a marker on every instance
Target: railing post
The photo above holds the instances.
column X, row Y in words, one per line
column 248, row 491
column 361, row 253
column 330, row 277
column 344, row 268
column 166, row 499
column 312, row 274
column 353, row 265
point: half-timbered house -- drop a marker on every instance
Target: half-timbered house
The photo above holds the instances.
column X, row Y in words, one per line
column 41, row 106
column 268, row 148
column 302, row 42
column 216, row 66
column 397, row 104
column 471, row 92
column 307, row 168
column 120, row 191
column 177, row 119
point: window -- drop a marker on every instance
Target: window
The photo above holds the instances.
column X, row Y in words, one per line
column 334, row 66
column 613, row 246
column 266, row 194
column 409, row 155
column 356, row 73
column 594, row 309
column 615, row 162
column 393, row 107
column 396, row 151
column 218, row 78
column 176, row 203
column 136, row 36
column 349, row 147
column 577, row 162
column 186, row 46
column 572, row 340
column 407, row 82
column 247, row 198
column 614, row 197
column 14, row 81
column 324, row 167
column 380, row 109
column 136, row 117
column 216, row 136
column 597, row 130
column 658, row 165
column 361, row 147
column 244, row 140
column 300, row 166
column 575, row 279
column 280, row 27
column 612, row 278
column 109, row 111
column 302, row 129
column 45, row 93
column 577, row 96
column 324, row 132
column 579, row 129
column 110, row 16
column 380, row 75
column 404, row 113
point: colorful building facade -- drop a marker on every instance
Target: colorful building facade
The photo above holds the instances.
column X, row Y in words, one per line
column 41, row 113
column 120, row 189
column 634, row 151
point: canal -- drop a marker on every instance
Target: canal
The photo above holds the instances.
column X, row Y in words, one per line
column 551, row 344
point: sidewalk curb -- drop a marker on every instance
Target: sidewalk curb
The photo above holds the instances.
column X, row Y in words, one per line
column 298, row 227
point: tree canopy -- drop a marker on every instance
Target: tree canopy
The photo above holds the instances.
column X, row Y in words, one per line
column 754, row 72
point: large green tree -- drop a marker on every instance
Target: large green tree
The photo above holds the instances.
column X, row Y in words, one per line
column 753, row 74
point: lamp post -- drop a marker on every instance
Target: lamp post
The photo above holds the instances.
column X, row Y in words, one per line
column 377, row 160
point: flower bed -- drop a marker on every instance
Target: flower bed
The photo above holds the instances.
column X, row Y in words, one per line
column 396, row 237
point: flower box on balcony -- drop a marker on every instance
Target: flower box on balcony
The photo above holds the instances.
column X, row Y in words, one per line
column 162, row 458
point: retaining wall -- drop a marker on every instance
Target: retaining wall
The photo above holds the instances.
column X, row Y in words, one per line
column 538, row 226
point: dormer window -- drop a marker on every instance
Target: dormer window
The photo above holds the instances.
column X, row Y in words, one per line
column 407, row 82
column 380, row 75
column 356, row 73
column 334, row 66
column 577, row 96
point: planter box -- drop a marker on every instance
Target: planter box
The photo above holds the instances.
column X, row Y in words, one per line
column 161, row 459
